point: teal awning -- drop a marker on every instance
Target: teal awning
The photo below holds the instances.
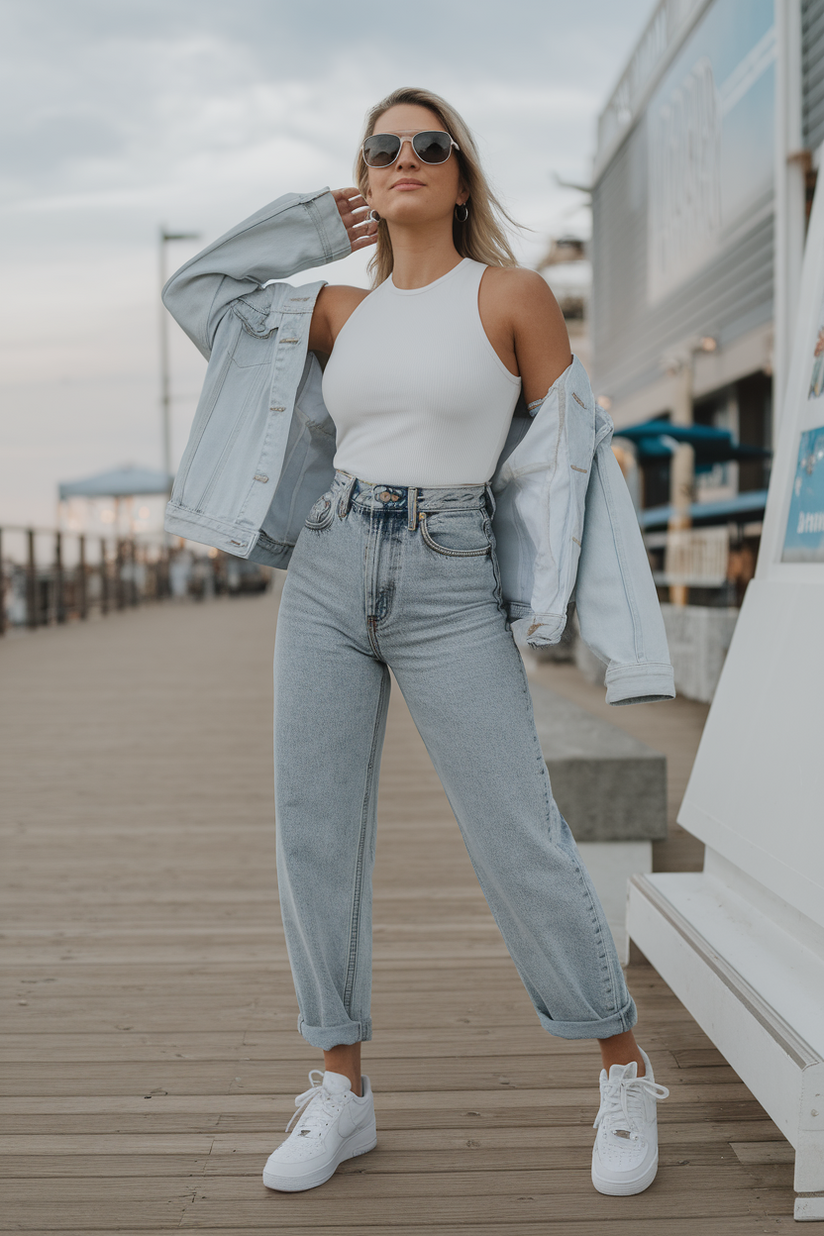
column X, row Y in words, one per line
column 659, row 439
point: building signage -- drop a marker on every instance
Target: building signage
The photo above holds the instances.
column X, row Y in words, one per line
column 709, row 134
column 792, row 546
column 804, row 536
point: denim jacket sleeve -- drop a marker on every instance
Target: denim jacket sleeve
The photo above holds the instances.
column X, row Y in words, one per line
column 293, row 233
column 565, row 524
column 540, row 490
column 262, row 439
column 617, row 605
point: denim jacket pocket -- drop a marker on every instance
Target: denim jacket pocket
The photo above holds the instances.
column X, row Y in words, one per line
column 254, row 337
column 254, row 312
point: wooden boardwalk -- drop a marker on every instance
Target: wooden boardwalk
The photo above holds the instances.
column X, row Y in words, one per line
column 149, row 1044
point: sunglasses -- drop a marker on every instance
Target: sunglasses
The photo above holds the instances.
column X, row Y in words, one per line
column 431, row 146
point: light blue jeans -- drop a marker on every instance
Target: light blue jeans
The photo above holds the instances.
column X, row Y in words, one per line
column 385, row 578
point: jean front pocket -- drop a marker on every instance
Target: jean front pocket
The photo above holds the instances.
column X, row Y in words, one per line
column 321, row 514
column 456, row 534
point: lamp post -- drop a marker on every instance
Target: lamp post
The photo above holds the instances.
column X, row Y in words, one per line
column 165, row 391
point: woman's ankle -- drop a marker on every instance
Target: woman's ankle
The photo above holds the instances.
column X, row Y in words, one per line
column 621, row 1049
column 346, row 1060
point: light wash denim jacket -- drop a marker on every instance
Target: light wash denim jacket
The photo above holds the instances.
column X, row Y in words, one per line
column 262, row 442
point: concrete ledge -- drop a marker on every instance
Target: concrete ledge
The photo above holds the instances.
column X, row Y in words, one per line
column 608, row 785
column 698, row 637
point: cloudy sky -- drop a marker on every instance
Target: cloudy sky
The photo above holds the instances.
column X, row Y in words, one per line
column 122, row 115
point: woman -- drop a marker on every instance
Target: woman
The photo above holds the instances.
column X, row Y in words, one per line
column 396, row 569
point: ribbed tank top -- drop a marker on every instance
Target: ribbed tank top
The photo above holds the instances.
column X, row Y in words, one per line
column 417, row 392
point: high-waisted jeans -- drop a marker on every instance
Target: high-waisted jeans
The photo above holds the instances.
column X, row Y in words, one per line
column 385, row 577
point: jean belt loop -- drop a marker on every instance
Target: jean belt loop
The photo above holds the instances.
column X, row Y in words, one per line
column 346, row 498
column 411, row 508
column 490, row 499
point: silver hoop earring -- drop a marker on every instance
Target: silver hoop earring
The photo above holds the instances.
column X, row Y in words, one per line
column 373, row 216
column 462, row 218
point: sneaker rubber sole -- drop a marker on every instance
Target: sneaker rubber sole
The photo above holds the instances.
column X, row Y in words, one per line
column 359, row 1143
column 629, row 1185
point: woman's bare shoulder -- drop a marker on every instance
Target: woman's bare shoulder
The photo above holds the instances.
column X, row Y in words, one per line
column 522, row 286
column 343, row 295
column 335, row 303
column 526, row 299
column 536, row 325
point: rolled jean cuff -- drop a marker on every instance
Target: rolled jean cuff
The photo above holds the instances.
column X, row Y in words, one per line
column 327, row 1037
column 623, row 1020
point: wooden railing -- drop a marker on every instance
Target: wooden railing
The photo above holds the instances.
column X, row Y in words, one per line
column 51, row 577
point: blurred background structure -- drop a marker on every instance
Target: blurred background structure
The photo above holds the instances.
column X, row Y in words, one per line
column 707, row 156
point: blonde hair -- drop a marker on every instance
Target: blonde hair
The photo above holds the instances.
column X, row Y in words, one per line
column 482, row 236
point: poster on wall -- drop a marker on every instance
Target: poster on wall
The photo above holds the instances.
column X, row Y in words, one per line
column 804, row 534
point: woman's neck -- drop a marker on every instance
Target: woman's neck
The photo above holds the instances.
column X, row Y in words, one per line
column 419, row 258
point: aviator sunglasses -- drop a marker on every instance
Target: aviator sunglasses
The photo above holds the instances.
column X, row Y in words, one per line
column 431, row 146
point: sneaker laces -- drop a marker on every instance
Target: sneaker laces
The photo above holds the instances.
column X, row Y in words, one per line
column 622, row 1103
column 327, row 1106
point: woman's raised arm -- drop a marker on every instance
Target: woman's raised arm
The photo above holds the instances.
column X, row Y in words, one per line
column 295, row 232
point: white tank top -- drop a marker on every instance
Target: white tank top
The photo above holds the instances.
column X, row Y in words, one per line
column 417, row 392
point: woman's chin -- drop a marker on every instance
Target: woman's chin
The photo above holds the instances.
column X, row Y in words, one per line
column 410, row 209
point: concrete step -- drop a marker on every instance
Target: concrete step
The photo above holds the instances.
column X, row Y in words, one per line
column 609, row 785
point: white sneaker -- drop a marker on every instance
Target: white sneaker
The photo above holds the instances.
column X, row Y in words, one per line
column 334, row 1125
column 625, row 1155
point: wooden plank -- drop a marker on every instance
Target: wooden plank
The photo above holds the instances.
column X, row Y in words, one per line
column 698, row 1183
column 684, row 1136
column 47, row 1013
column 89, row 1144
column 698, row 1057
column 156, row 1016
column 440, row 971
column 664, row 1226
column 475, row 1074
column 90, row 1168
column 494, row 1102
column 242, row 1122
column 753, row 1152
column 143, row 1215
column 164, row 1124
column 529, row 1207
column 464, row 1158
column 463, row 1042
column 681, row 1139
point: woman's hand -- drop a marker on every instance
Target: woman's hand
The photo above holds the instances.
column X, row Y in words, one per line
column 353, row 211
